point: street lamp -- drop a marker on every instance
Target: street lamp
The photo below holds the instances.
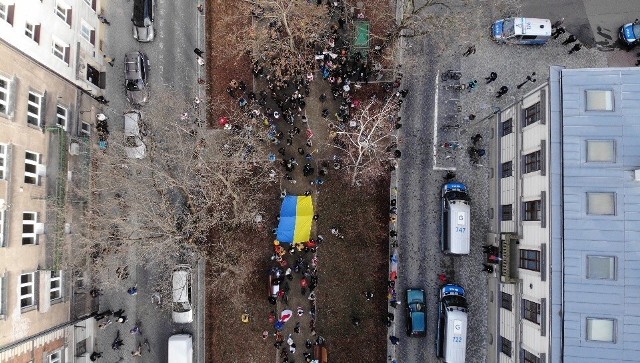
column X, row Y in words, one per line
column 529, row 79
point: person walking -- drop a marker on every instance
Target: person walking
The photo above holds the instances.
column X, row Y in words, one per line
column 94, row 356
column 469, row 51
column 198, row 52
column 394, row 340
column 109, row 60
column 575, row 48
column 492, row 77
column 572, row 38
column 502, row 91
column 558, row 32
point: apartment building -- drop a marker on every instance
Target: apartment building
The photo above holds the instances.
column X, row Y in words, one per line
column 44, row 315
column 564, row 191
column 63, row 35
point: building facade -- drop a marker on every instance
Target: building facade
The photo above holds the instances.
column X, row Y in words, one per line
column 64, row 36
column 563, row 194
column 42, row 316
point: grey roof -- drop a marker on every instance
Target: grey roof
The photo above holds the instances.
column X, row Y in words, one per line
column 575, row 234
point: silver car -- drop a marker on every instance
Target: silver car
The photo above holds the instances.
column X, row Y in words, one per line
column 143, row 12
column 134, row 146
column 136, row 70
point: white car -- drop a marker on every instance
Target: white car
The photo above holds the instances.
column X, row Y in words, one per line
column 134, row 146
column 182, row 312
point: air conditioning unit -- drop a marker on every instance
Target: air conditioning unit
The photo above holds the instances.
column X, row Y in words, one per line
column 74, row 148
column 41, row 170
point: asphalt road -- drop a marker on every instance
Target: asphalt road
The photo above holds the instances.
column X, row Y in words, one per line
column 173, row 68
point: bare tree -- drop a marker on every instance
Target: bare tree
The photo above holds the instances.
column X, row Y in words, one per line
column 193, row 184
column 282, row 35
column 368, row 139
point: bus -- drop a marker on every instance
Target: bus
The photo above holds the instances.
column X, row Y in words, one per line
column 455, row 233
column 451, row 337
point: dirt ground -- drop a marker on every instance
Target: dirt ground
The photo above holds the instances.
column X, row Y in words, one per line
column 346, row 268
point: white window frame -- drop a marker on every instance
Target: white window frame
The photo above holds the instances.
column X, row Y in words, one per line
column 29, row 295
column 31, row 31
column 60, row 6
column 31, row 237
column 55, row 286
column 2, row 217
column 589, row 333
column 85, row 31
column 4, row 95
column 597, row 201
column 4, row 150
column 85, row 128
column 88, row 2
column 62, row 119
column 2, row 297
column 55, row 357
column 4, row 11
column 59, row 53
column 28, row 174
column 31, row 116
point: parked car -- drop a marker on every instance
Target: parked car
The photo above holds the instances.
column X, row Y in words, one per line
column 143, row 12
column 134, row 146
column 630, row 33
column 182, row 312
column 136, row 71
column 416, row 313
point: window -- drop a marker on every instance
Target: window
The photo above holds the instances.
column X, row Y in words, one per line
column 528, row 357
column 88, row 32
column 532, row 162
column 55, row 285
column 505, row 346
column 531, row 114
column 2, row 214
column 506, row 301
column 599, row 100
column 32, row 31
column 531, row 311
column 55, row 357
column 85, row 128
column 532, row 210
column 4, row 95
column 3, row 164
column 601, row 151
column 507, row 169
column 60, row 50
column 27, row 290
column 34, row 105
column 507, row 212
column 601, row 330
column 91, row 3
column 61, row 117
column 29, row 236
column 601, row 267
column 603, row 204
column 63, row 11
column 6, row 12
column 530, row 260
column 2, row 297
column 507, row 127
column 31, row 168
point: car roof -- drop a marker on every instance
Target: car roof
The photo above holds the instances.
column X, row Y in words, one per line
column 418, row 321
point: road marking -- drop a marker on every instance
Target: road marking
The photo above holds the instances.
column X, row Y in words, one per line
column 435, row 127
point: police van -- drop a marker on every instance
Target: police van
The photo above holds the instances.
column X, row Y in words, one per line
column 518, row 30
column 455, row 234
column 451, row 337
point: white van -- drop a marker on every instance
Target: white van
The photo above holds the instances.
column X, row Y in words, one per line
column 182, row 312
column 451, row 337
column 519, row 30
column 455, row 232
column 180, row 348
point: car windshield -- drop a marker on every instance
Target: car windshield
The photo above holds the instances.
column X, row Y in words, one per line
column 636, row 30
column 507, row 27
column 134, row 85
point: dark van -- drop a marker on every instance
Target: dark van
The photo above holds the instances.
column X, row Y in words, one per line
column 143, row 12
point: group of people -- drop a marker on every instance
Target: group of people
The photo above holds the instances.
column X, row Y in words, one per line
column 493, row 257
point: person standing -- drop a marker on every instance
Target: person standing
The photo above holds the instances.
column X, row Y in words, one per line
column 558, row 32
column 94, row 356
column 109, row 60
column 572, row 38
column 469, row 51
column 502, row 91
column 492, row 77
column 103, row 20
column 198, row 52
column 575, row 48
column 394, row 340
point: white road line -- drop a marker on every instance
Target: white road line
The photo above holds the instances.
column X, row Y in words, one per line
column 435, row 126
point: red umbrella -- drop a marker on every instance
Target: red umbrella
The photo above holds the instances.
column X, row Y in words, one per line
column 304, row 282
column 223, row 121
column 285, row 315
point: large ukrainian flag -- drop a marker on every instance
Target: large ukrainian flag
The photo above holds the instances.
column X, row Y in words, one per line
column 296, row 216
